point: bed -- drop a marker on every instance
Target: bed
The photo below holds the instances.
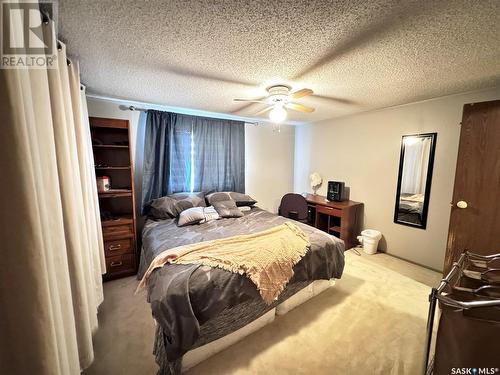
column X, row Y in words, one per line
column 198, row 307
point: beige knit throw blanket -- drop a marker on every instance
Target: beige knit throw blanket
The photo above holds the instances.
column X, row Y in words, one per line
column 266, row 258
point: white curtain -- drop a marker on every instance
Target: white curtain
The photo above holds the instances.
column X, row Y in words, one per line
column 50, row 236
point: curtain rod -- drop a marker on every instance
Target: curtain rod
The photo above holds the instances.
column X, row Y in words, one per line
column 45, row 20
column 134, row 108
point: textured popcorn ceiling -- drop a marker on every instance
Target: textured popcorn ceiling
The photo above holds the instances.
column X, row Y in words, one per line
column 355, row 55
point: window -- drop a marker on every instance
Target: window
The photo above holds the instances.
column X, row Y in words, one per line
column 190, row 153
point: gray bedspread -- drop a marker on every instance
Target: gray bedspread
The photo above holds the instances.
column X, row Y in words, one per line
column 184, row 297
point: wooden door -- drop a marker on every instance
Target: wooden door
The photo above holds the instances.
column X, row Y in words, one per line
column 476, row 227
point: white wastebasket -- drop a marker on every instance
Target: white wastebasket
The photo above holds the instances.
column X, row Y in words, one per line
column 369, row 239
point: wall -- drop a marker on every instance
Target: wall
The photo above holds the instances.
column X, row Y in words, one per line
column 268, row 154
column 269, row 158
column 363, row 150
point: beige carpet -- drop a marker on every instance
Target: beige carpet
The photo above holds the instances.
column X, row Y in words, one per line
column 371, row 322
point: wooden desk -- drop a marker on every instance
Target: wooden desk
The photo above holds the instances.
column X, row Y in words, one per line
column 341, row 219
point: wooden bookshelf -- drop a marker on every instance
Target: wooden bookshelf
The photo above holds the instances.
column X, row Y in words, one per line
column 112, row 158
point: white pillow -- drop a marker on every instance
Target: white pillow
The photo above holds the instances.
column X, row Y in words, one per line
column 210, row 214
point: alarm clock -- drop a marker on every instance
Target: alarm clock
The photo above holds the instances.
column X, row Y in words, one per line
column 335, row 191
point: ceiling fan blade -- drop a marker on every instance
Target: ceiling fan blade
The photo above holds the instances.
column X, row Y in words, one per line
column 250, row 100
column 264, row 110
column 301, row 93
column 299, row 107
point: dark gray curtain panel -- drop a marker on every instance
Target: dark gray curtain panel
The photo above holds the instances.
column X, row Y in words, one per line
column 180, row 157
column 191, row 153
column 219, row 155
column 157, row 151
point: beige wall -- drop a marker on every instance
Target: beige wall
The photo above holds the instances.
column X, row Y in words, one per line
column 269, row 157
column 363, row 150
column 268, row 154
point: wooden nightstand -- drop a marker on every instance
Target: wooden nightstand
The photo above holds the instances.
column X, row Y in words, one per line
column 341, row 219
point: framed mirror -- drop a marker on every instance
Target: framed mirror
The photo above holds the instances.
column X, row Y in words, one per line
column 414, row 179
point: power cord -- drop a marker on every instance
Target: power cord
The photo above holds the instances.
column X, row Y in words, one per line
column 356, row 251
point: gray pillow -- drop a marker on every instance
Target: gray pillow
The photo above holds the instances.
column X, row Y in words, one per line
column 240, row 198
column 227, row 209
column 172, row 205
column 217, row 197
column 191, row 216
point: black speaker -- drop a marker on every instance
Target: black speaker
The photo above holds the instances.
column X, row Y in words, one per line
column 335, row 191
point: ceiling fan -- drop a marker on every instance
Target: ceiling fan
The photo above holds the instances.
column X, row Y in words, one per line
column 279, row 100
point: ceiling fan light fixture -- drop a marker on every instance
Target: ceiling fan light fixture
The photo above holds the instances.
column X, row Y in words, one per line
column 278, row 114
column 279, row 100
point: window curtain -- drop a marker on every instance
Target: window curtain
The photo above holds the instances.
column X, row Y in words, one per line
column 219, row 155
column 52, row 254
column 191, row 153
column 181, row 156
column 157, row 155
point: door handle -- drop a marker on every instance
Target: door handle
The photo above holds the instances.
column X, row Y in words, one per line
column 462, row 204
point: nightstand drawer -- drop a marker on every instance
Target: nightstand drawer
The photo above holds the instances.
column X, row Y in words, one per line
column 329, row 210
column 118, row 246
column 120, row 264
column 117, row 230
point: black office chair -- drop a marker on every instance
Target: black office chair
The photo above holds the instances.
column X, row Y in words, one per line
column 294, row 206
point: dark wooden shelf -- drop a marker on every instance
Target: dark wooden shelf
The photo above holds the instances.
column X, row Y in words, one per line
column 111, row 146
column 115, row 193
column 335, row 229
column 125, row 219
column 112, row 168
column 97, row 122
